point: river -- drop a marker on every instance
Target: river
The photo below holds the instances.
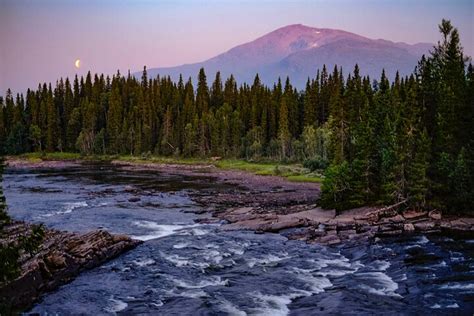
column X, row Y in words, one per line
column 185, row 268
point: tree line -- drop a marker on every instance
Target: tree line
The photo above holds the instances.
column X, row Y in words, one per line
column 378, row 141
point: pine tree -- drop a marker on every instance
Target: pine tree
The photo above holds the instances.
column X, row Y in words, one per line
column 283, row 130
column 202, row 94
column 52, row 134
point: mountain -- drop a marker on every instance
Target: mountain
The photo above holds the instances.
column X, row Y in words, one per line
column 298, row 51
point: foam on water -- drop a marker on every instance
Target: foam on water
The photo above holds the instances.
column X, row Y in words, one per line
column 67, row 208
column 212, row 281
column 268, row 260
column 274, row 305
column 423, row 240
column 115, row 305
column 382, row 284
column 454, row 305
column 158, row 230
column 458, row 286
column 380, row 265
column 230, row 309
column 316, row 284
column 214, row 256
column 144, row 262
column 193, row 293
column 181, row 245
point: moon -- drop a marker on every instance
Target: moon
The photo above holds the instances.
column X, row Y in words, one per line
column 77, row 63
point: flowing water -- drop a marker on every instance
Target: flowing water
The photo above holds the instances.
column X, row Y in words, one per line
column 184, row 268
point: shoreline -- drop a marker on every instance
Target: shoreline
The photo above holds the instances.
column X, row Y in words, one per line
column 268, row 203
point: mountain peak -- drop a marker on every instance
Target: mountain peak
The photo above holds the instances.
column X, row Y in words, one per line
column 298, row 50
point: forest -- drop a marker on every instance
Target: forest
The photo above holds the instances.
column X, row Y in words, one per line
column 378, row 142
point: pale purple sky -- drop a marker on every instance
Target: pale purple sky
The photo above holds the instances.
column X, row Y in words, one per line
column 40, row 40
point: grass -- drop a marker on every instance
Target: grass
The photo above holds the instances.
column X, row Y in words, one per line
column 293, row 172
column 38, row 156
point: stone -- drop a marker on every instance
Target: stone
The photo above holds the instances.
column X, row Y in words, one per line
column 396, row 219
column 409, row 227
column 460, row 225
column 412, row 214
column 134, row 199
column 329, row 239
column 425, row 225
column 242, row 210
column 56, row 260
column 467, row 220
column 436, row 215
column 128, row 188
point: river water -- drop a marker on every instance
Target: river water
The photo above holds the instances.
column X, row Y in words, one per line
column 184, row 268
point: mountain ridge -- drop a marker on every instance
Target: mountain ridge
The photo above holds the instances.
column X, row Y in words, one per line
column 298, row 51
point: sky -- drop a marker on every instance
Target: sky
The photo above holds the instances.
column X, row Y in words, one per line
column 41, row 39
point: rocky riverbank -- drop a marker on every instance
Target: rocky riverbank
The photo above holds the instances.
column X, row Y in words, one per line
column 274, row 204
column 325, row 227
column 60, row 257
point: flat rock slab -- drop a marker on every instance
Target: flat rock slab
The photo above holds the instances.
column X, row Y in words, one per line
column 60, row 258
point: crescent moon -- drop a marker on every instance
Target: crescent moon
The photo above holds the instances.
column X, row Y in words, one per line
column 77, row 63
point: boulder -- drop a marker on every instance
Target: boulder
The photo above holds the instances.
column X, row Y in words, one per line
column 408, row 227
column 436, row 215
column 412, row 214
column 460, row 225
column 424, row 225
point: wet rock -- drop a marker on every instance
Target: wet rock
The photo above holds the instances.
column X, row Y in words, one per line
column 280, row 225
column 129, row 188
column 396, row 219
column 460, row 225
column 134, row 199
column 412, row 214
column 330, row 240
column 409, row 227
column 436, row 215
column 424, row 225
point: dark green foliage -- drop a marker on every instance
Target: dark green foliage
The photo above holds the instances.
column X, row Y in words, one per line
column 411, row 139
column 315, row 164
column 336, row 186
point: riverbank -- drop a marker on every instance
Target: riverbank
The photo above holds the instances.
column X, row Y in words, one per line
column 274, row 204
column 59, row 259
column 291, row 171
column 269, row 203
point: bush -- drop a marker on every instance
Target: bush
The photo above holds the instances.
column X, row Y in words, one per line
column 315, row 164
column 336, row 187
